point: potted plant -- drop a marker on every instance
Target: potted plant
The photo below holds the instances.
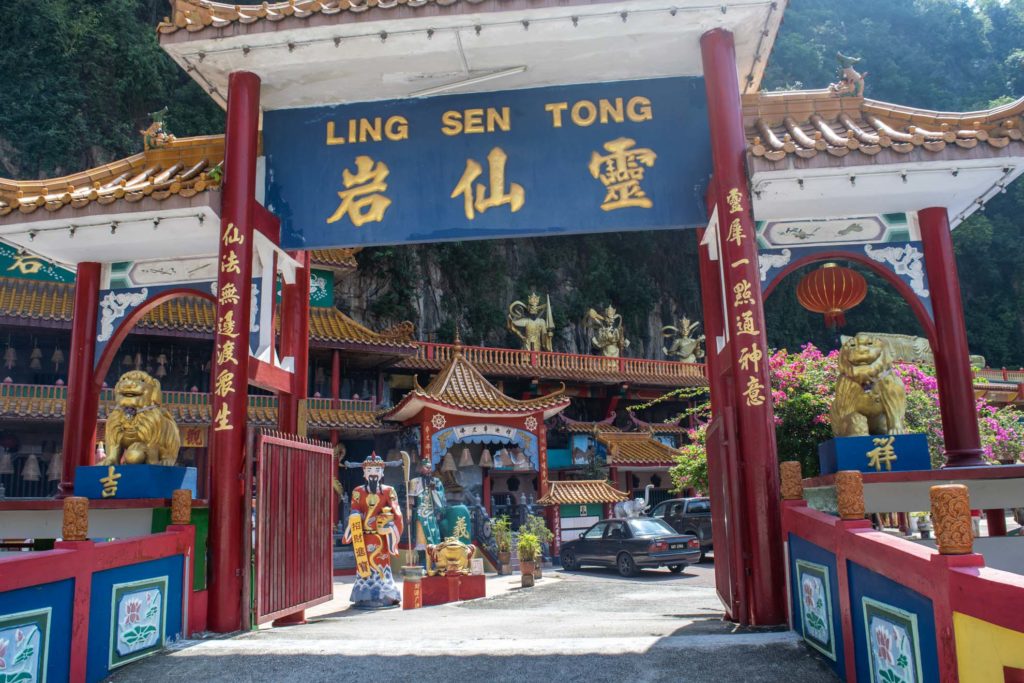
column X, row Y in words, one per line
column 502, row 528
column 529, row 550
column 535, row 525
column 924, row 524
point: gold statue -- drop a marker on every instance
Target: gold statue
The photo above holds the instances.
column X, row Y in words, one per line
column 139, row 429
column 536, row 322
column 450, row 556
column 870, row 398
column 609, row 336
column 684, row 347
column 905, row 348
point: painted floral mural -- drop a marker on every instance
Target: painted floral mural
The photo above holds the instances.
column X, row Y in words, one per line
column 23, row 647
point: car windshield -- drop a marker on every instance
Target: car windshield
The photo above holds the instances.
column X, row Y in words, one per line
column 650, row 527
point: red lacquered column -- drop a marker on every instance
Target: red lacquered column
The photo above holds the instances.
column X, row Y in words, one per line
column 335, row 388
column 744, row 314
column 952, row 364
column 82, row 401
column 229, row 397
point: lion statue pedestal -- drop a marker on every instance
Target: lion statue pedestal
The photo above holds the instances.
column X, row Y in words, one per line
column 142, row 444
column 868, row 413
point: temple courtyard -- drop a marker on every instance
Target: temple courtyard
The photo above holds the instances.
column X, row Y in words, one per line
column 589, row 625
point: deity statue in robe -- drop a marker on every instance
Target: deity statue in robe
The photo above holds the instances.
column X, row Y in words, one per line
column 685, row 347
column 609, row 336
column 374, row 529
column 428, row 491
column 532, row 322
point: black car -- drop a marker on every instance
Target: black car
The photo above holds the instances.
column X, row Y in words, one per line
column 630, row 544
column 688, row 516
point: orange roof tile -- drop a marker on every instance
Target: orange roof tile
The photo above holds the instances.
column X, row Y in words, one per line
column 633, row 448
column 196, row 15
column 801, row 124
column 328, row 324
column 460, row 386
column 183, row 167
column 340, row 259
column 581, row 492
column 36, row 299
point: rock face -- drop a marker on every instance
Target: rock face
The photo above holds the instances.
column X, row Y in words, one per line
column 651, row 278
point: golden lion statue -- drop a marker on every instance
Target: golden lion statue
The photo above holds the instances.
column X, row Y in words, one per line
column 450, row 556
column 869, row 398
column 138, row 428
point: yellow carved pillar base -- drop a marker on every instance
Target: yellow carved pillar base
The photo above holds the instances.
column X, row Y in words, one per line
column 951, row 512
column 181, row 507
column 850, row 494
column 76, row 519
column 791, row 480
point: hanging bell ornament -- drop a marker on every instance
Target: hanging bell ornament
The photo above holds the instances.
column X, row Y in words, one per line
column 465, row 459
column 6, row 465
column 35, row 359
column 448, row 465
column 127, row 360
column 53, row 472
column 10, row 356
column 485, row 459
column 57, row 358
column 30, row 470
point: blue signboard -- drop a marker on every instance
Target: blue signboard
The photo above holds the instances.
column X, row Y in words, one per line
column 630, row 155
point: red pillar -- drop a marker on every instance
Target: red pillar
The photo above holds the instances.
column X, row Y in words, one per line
column 82, row 401
column 486, row 493
column 756, row 451
column 335, row 387
column 542, row 456
column 229, row 398
column 295, row 343
column 952, row 365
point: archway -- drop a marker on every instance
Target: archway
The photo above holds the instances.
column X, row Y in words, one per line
column 901, row 287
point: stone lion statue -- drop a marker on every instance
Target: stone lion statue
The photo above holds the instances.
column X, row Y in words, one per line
column 139, row 430
column 870, row 398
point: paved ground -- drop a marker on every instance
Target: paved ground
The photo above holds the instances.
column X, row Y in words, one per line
column 587, row 626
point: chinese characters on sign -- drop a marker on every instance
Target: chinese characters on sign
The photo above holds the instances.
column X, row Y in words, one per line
column 496, row 160
column 110, row 483
column 226, row 352
column 561, row 159
column 362, row 200
column 882, row 454
column 743, row 306
column 621, row 171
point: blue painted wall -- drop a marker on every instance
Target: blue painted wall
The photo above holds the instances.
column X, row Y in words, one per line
column 864, row 582
column 800, row 549
column 59, row 596
column 102, row 593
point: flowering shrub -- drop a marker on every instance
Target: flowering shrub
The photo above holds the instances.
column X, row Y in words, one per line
column 802, row 385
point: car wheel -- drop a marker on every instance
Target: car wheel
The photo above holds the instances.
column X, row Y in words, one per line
column 703, row 557
column 569, row 561
column 626, row 565
column 676, row 568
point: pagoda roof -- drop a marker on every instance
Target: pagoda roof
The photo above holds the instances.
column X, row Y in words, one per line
column 637, row 449
column 804, row 124
column 460, row 388
column 182, row 167
column 869, row 157
column 42, row 302
column 582, row 492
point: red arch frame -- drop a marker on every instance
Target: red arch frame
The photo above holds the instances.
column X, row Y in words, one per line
column 904, row 290
column 128, row 324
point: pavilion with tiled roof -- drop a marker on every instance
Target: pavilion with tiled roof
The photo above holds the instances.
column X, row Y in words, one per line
column 636, row 451
column 581, row 492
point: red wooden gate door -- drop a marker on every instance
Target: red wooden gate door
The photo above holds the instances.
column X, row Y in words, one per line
column 293, row 552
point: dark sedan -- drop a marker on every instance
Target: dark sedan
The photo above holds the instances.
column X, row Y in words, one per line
column 631, row 544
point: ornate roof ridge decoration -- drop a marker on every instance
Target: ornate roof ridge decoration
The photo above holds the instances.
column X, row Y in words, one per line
column 582, row 427
column 637, row 448
column 338, row 259
column 183, row 167
column 658, row 427
column 581, row 492
column 461, row 387
column 803, row 123
column 328, row 324
column 196, row 15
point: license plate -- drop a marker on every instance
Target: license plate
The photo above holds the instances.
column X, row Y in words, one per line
column 677, row 546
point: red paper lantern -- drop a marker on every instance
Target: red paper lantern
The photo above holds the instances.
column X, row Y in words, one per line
column 831, row 290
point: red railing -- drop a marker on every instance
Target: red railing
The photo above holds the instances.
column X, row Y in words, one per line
column 294, row 501
column 555, row 364
column 952, row 583
column 49, row 392
column 1000, row 375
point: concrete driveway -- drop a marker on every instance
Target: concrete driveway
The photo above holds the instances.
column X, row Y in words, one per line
column 587, row 626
